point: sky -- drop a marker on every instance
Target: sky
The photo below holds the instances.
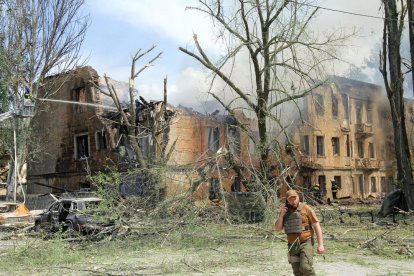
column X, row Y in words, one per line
column 120, row 28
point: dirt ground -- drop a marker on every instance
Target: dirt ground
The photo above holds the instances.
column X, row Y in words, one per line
column 190, row 245
column 191, row 252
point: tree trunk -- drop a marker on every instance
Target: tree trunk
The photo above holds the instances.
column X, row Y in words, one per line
column 395, row 92
column 411, row 35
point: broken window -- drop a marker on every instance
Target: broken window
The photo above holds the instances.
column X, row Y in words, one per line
column 85, row 186
column 213, row 139
column 334, row 106
column 320, row 148
column 100, row 140
column 371, row 150
column 319, row 105
column 234, row 141
column 337, row 179
column 305, row 144
column 345, row 103
column 79, row 95
column 335, row 145
column 81, row 146
column 360, row 145
column 373, row 184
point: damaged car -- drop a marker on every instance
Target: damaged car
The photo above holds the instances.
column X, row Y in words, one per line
column 73, row 216
column 15, row 214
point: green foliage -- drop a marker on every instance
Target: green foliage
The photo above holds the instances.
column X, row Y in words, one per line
column 107, row 184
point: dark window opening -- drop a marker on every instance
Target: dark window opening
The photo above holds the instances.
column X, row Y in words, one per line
column 320, row 148
column 305, row 144
column 79, row 95
column 360, row 145
column 85, row 186
column 348, row 146
column 373, row 184
column 82, row 146
column 334, row 107
column 335, row 145
column 345, row 105
column 358, row 113
column 337, row 179
column 371, row 150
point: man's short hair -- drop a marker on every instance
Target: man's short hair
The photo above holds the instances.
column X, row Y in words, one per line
column 291, row 193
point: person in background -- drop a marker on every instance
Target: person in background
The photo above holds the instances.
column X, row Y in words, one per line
column 316, row 191
column 334, row 188
column 300, row 223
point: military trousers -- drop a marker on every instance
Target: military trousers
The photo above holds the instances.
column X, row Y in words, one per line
column 300, row 257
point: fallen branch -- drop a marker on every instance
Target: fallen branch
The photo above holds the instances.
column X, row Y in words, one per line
column 190, row 266
column 370, row 242
column 17, row 232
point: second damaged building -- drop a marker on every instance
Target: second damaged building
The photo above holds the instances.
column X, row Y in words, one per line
column 346, row 137
column 80, row 134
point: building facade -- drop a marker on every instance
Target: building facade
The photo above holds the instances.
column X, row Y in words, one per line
column 79, row 134
column 346, row 136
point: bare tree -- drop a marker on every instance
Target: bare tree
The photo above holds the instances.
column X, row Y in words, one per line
column 129, row 115
column 285, row 60
column 390, row 59
column 143, row 120
column 37, row 39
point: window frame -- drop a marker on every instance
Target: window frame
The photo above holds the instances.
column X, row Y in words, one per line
column 76, row 151
column 371, row 150
column 336, row 148
column 213, row 144
column 100, row 136
column 320, row 146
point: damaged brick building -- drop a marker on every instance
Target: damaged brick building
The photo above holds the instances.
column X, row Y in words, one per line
column 77, row 139
column 345, row 134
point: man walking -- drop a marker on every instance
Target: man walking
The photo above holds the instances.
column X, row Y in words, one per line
column 300, row 224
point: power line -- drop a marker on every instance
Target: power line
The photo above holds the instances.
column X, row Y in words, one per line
column 345, row 12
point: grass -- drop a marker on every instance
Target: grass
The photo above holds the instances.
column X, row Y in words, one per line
column 189, row 246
